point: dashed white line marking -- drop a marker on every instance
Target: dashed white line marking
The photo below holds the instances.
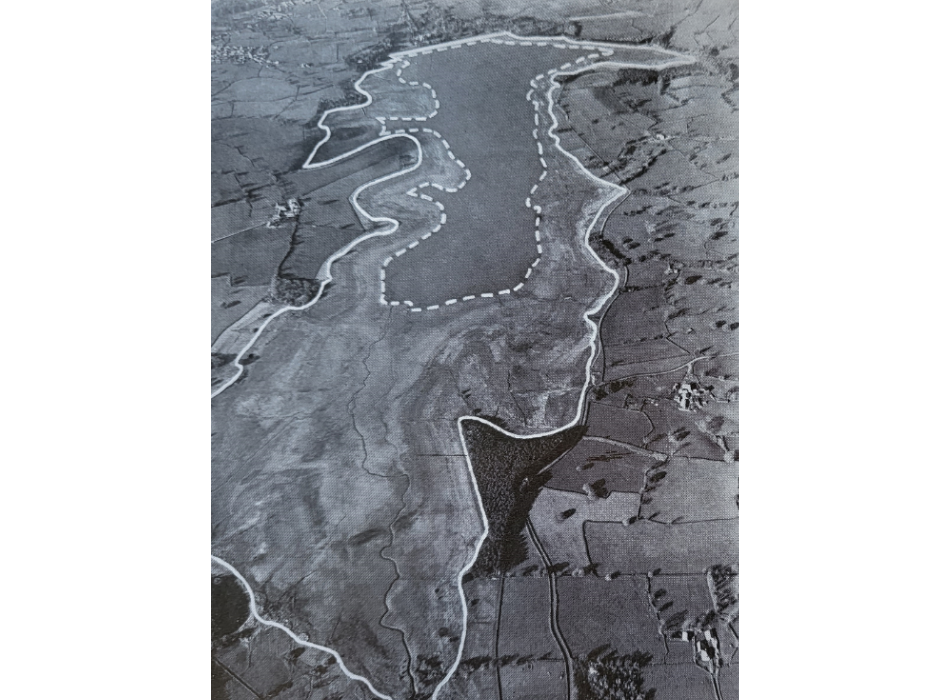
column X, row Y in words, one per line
column 468, row 298
column 598, row 51
column 517, row 286
column 449, row 302
column 487, row 295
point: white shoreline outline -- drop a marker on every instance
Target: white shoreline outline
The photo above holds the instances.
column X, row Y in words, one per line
column 398, row 62
column 680, row 59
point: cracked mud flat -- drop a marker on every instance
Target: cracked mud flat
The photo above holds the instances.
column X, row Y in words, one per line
column 341, row 489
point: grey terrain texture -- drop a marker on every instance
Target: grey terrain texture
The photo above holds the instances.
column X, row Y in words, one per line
column 474, row 350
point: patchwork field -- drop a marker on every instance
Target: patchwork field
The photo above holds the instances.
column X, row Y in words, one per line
column 645, row 546
column 560, row 518
column 589, row 606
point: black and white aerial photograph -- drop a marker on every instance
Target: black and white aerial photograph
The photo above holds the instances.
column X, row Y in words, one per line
column 474, row 350
column 472, row 425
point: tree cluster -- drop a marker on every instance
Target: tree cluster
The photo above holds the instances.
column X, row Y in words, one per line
column 606, row 675
column 507, row 471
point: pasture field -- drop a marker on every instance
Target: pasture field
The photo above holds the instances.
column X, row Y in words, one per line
column 635, row 315
column 475, row 678
column 562, row 536
column 679, row 599
column 592, row 461
column 646, row 546
column 533, row 680
column 588, row 606
column 477, row 675
column 482, row 596
column 525, row 628
column 249, row 212
column 675, row 431
column 229, row 303
column 729, row 680
column 617, row 423
column 250, row 258
column 694, row 490
column 681, row 681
